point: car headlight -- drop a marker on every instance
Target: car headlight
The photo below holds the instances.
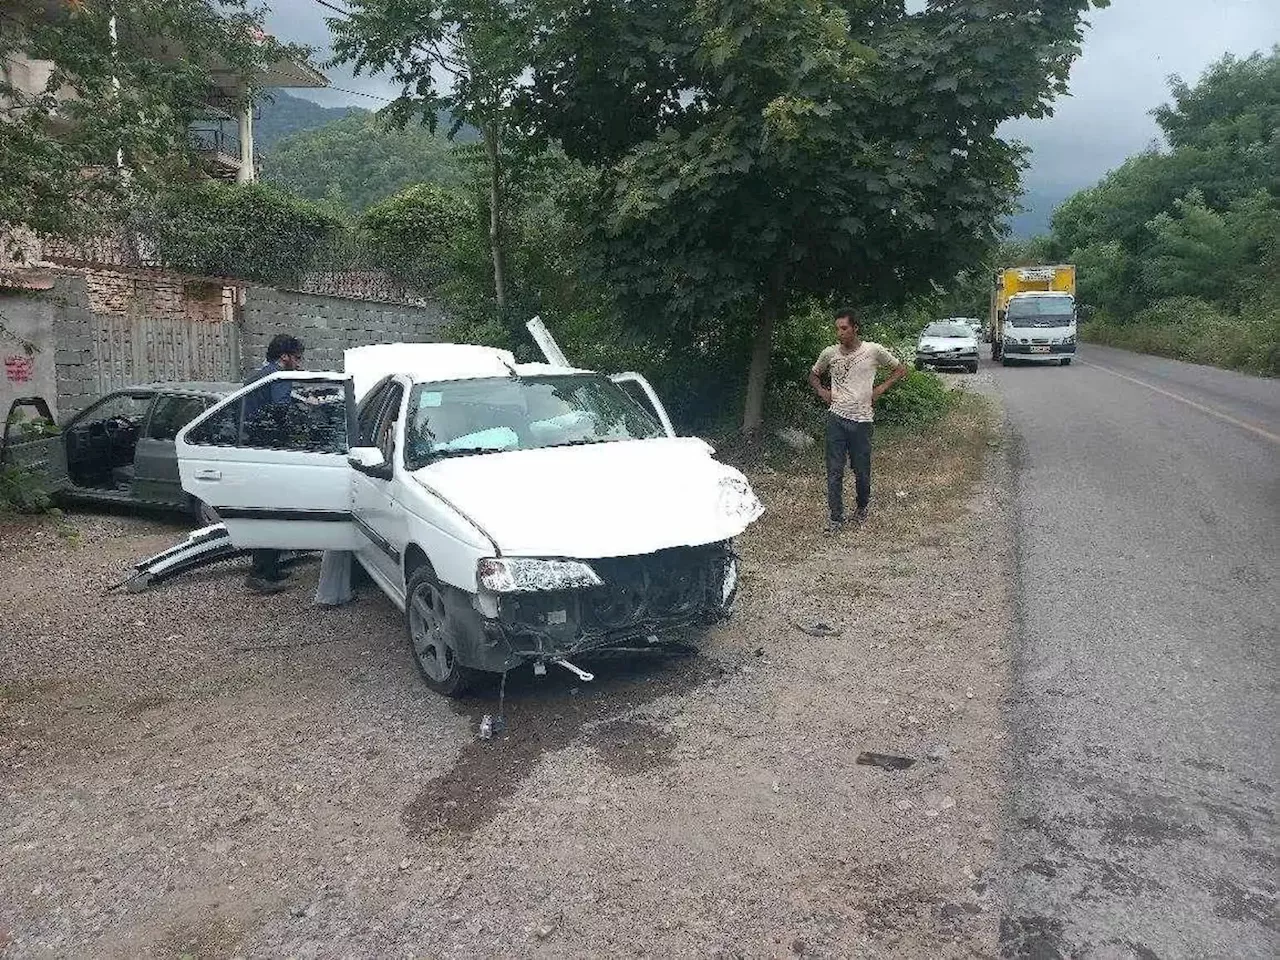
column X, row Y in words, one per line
column 738, row 501
column 1070, row 339
column 1009, row 339
column 529, row 574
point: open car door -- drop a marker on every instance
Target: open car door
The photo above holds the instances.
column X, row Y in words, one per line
column 642, row 392
column 271, row 459
column 32, row 442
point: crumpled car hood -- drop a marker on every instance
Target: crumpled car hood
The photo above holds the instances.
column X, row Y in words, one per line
column 601, row 500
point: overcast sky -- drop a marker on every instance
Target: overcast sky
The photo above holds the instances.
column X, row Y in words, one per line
column 1130, row 50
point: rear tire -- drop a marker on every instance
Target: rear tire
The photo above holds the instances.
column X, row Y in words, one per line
column 431, row 640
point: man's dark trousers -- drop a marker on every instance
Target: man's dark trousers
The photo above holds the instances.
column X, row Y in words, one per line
column 851, row 440
column 266, row 565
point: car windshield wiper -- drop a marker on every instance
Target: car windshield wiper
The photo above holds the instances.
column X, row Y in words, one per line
column 459, row 452
column 577, row 443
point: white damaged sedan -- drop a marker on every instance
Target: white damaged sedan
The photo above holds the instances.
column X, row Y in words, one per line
column 517, row 513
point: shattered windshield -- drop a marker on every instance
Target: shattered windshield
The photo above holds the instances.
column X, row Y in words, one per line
column 465, row 417
column 1041, row 312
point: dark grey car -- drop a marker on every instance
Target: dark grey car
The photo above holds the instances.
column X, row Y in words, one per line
column 119, row 449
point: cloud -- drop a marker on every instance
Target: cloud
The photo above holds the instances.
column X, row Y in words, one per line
column 1129, row 53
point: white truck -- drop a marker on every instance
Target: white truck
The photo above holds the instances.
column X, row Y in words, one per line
column 1033, row 315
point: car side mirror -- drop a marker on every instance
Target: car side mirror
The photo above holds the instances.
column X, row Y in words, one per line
column 370, row 462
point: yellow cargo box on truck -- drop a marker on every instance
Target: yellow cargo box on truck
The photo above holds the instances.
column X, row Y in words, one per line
column 1033, row 314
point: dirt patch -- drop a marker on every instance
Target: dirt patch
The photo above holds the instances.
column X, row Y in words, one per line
column 207, row 936
column 630, row 747
column 273, row 779
column 543, row 715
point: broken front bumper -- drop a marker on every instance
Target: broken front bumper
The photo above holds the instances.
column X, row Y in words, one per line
column 642, row 602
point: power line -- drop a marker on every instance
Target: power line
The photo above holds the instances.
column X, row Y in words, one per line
column 335, row 9
column 361, row 93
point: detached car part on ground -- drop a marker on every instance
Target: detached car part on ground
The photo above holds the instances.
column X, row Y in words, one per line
column 517, row 514
column 948, row 344
column 119, row 450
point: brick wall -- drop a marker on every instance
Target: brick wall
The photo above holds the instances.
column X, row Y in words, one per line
column 161, row 295
column 328, row 325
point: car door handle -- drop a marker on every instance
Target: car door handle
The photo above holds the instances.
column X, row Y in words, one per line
column 208, row 474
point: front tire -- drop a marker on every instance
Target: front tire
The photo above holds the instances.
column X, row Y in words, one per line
column 1066, row 361
column 972, row 366
column 919, row 365
column 431, row 638
column 1006, row 362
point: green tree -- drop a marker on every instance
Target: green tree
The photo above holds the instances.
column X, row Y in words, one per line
column 1220, row 257
column 358, row 160
column 1225, row 139
column 127, row 80
column 760, row 152
column 1196, row 220
column 418, row 234
column 480, row 47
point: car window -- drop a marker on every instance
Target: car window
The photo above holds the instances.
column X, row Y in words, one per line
column 307, row 416
column 367, row 415
column 123, row 406
column 172, row 413
column 386, row 435
column 520, row 413
column 947, row 330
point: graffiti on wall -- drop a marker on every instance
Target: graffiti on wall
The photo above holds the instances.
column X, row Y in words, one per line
column 18, row 368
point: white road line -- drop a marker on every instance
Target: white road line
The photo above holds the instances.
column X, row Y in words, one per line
column 1243, row 425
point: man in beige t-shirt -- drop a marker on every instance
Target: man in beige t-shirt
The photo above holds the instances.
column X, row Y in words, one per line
column 852, row 364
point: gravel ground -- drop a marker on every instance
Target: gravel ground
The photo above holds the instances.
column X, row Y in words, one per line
column 196, row 772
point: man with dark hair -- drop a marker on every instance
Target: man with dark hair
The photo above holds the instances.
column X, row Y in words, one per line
column 284, row 352
column 852, row 364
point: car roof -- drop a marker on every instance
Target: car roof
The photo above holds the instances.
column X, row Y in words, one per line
column 435, row 362
column 212, row 388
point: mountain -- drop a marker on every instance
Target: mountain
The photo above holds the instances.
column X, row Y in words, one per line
column 1038, row 204
column 356, row 161
column 281, row 114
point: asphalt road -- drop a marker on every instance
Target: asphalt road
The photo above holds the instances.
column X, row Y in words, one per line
column 1142, row 822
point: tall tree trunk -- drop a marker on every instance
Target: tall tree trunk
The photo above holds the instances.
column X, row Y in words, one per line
column 761, row 349
column 495, row 219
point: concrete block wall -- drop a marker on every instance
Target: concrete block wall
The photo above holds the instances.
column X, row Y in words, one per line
column 47, row 350
column 77, row 371
column 328, row 325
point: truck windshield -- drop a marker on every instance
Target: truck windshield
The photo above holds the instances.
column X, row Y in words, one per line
column 467, row 417
column 1041, row 312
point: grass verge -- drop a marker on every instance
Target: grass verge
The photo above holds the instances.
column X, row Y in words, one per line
column 922, row 481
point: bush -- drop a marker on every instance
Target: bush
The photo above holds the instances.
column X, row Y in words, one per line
column 917, row 401
column 414, row 234
column 22, row 492
column 1186, row 328
column 249, row 231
